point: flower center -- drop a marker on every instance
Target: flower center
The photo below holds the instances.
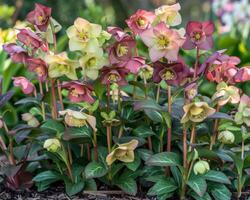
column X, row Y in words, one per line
column 141, row 22
column 169, row 75
column 197, row 36
column 83, row 35
column 162, row 42
column 121, row 50
column 39, row 71
column 91, row 62
column 198, row 113
column 74, row 93
column 40, row 18
column 113, row 78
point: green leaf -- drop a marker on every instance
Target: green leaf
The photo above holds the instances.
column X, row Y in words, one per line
column 154, row 115
column 135, row 164
column 46, row 175
column 216, row 176
column 164, row 159
column 198, row 185
column 95, row 170
column 74, row 188
column 79, row 135
column 163, row 186
column 99, row 89
column 197, row 197
column 220, row 115
column 144, row 154
column 53, row 125
column 220, row 192
column 90, row 184
column 128, row 185
column 143, row 131
column 27, row 100
column 176, row 174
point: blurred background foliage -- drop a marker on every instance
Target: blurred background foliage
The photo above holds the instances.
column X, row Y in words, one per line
column 114, row 12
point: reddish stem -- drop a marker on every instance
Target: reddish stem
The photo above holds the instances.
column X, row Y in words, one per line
column 169, row 134
column 196, row 63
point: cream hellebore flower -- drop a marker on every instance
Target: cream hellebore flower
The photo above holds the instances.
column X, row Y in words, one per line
column 60, row 65
column 91, row 63
column 201, row 167
column 52, row 144
column 124, row 152
column 226, row 94
column 243, row 114
column 169, row 14
column 226, row 137
column 196, row 112
column 77, row 119
column 85, row 36
column 30, row 119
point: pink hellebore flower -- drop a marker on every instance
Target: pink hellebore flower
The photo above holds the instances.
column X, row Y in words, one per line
column 30, row 39
column 162, row 42
column 242, row 75
column 173, row 73
column 38, row 66
column 117, row 32
column 40, row 16
column 26, row 86
column 199, row 35
column 140, row 21
column 113, row 74
column 78, row 92
column 17, row 53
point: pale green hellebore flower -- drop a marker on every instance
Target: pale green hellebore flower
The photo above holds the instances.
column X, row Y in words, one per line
column 52, row 145
column 201, row 167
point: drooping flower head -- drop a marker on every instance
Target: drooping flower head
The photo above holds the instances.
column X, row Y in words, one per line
column 30, row 119
column 124, row 152
column 242, row 75
column 22, row 82
column 201, row 167
column 146, row 72
column 191, row 90
column 52, row 145
column 196, row 112
column 40, row 16
column 30, row 39
column 113, row 74
column 140, row 21
column 243, row 114
column 91, row 64
column 60, row 65
column 17, row 53
column 226, row 94
column 199, row 35
column 78, row 91
column 173, row 73
column 38, row 66
column 226, row 137
column 163, row 42
column 169, row 14
column 83, row 36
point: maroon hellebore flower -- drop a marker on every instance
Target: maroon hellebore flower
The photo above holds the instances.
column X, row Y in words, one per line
column 40, row 16
column 30, row 39
column 199, row 35
column 26, row 86
column 140, row 21
column 191, row 90
column 117, row 32
column 38, row 66
column 173, row 73
column 113, row 74
column 17, row 53
column 78, row 92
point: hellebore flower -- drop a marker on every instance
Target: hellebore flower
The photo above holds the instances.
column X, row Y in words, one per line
column 40, row 16
column 162, row 42
column 196, row 112
column 226, row 94
column 146, row 72
column 60, row 65
column 169, row 14
column 52, row 145
column 83, row 36
column 220, row 67
column 243, row 113
column 173, row 73
column 78, row 92
column 91, row 64
column 201, row 167
column 77, row 119
column 26, row 86
column 117, row 33
column 30, row 39
column 226, row 137
column 17, row 53
column 191, row 90
column 124, row 152
column 30, row 119
column 199, row 35
column 242, row 75
column 38, row 66
column 113, row 74
column 140, row 21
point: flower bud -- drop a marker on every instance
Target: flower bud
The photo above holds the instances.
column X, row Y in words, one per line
column 226, row 137
column 52, row 145
column 201, row 167
column 30, row 119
